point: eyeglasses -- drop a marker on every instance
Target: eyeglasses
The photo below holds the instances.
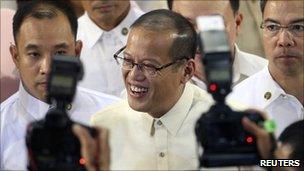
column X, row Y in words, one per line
column 147, row 69
column 272, row 29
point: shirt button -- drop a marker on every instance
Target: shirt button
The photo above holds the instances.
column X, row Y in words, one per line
column 159, row 123
column 124, row 31
column 162, row 154
column 267, row 95
column 69, row 106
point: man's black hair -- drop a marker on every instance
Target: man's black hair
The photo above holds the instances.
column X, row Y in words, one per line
column 42, row 9
column 262, row 5
column 184, row 43
column 294, row 136
column 235, row 5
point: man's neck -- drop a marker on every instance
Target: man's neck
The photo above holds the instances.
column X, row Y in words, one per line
column 291, row 84
column 109, row 24
column 161, row 112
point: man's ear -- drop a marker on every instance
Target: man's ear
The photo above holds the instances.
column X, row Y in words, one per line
column 189, row 70
column 14, row 55
column 238, row 21
column 78, row 47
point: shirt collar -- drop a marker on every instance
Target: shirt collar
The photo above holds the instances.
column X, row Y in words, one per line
column 126, row 23
column 270, row 88
column 96, row 32
column 236, row 64
column 198, row 82
column 175, row 117
column 33, row 106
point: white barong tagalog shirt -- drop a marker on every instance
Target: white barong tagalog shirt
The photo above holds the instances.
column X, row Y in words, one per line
column 22, row 108
column 244, row 65
column 261, row 91
column 101, row 72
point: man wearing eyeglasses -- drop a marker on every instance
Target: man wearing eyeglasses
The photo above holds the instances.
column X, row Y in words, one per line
column 279, row 87
column 244, row 64
column 154, row 128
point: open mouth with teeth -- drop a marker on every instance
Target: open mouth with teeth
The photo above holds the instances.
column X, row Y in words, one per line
column 138, row 91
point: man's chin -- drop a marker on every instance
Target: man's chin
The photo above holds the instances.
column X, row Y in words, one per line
column 137, row 106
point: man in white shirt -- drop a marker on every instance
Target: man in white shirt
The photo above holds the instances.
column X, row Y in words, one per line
column 41, row 29
column 278, row 88
column 244, row 64
column 103, row 29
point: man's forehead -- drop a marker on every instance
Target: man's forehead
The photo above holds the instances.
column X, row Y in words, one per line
column 150, row 40
column 284, row 11
column 193, row 9
column 201, row 7
column 39, row 27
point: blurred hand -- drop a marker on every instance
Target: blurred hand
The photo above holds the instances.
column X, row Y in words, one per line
column 95, row 151
column 264, row 142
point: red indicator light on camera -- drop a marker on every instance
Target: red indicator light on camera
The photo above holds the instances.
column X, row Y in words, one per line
column 82, row 161
column 213, row 87
column 249, row 140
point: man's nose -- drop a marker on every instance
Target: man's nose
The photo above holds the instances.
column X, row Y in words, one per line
column 137, row 73
column 45, row 66
column 285, row 39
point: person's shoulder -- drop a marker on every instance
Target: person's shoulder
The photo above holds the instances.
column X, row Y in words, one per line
column 112, row 114
column 200, row 94
column 247, row 91
column 251, row 81
column 8, row 110
column 95, row 96
column 8, row 103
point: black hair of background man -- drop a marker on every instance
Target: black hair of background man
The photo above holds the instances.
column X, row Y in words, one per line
column 28, row 9
column 293, row 135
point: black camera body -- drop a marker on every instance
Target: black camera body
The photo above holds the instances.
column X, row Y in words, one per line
column 223, row 138
column 220, row 135
column 52, row 146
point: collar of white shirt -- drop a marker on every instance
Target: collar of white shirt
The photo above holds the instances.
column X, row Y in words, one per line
column 96, row 32
column 175, row 117
column 35, row 107
column 269, row 85
column 237, row 68
column 198, row 82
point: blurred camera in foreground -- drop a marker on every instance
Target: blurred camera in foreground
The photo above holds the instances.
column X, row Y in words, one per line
column 51, row 143
column 221, row 137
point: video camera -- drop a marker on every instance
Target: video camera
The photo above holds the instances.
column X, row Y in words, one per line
column 52, row 146
column 220, row 134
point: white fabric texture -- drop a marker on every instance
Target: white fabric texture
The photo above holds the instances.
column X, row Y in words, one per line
column 262, row 92
column 244, row 65
column 22, row 108
column 101, row 72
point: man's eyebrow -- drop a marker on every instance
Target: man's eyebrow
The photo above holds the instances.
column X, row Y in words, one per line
column 62, row 45
column 297, row 20
column 150, row 60
column 31, row 47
